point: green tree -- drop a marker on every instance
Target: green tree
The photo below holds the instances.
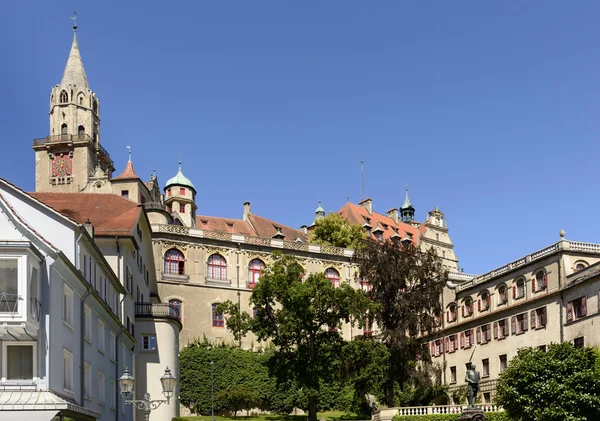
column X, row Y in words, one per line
column 238, row 398
column 334, row 230
column 301, row 319
column 562, row 384
column 406, row 287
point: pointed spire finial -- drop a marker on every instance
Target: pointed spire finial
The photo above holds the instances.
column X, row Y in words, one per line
column 129, row 152
column 180, row 165
column 74, row 19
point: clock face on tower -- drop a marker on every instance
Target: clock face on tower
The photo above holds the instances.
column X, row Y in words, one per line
column 62, row 165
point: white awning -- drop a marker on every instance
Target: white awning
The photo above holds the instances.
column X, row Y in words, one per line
column 28, row 415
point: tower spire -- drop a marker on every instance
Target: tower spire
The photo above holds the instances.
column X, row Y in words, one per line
column 74, row 73
column 407, row 211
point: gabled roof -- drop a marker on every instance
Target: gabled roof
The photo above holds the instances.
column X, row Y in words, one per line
column 109, row 214
column 267, row 228
column 214, row 223
column 128, row 173
column 356, row 214
column 255, row 226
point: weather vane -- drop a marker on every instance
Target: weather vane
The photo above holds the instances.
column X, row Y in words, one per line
column 74, row 19
column 129, row 152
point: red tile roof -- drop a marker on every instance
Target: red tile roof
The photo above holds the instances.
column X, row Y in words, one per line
column 255, row 226
column 128, row 174
column 109, row 214
column 266, row 228
column 213, row 223
column 356, row 215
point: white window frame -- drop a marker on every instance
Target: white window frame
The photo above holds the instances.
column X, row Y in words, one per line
column 21, row 275
column 101, row 335
column 67, row 370
column 68, row 306
column 87, row 380
column 5, row 345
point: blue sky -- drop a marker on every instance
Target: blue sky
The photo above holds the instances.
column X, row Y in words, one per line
column 488, row 110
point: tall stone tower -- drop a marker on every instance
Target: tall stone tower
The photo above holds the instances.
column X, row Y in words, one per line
column 71, row 158
column 180, row 199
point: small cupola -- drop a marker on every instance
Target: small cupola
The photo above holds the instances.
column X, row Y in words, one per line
column 407, row 211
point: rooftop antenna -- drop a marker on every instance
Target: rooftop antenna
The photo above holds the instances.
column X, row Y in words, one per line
column 129, row 152
column 74, row 19
column 362, row 180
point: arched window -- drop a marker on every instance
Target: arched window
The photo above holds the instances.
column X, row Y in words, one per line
column 81, row 130
column 484, row 301
column 63, row 129
column 519, row 289
column 175, row 309
column 334, row 276
column 217, row 317
column 174, row 262
column 254, row 270
column 579, row 266
column 217, row 267
column 64, row 97
column 502, row 294
column 467, row 309
column 452, row 313
column 539, row 281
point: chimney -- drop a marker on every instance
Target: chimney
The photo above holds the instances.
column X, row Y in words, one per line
column 89, row 228
column 367, row 204
column 246, row 210
column 393, row 214
column 304, row 229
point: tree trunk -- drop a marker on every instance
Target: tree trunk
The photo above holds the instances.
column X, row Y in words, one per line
column 312, row 408
column 389, row 392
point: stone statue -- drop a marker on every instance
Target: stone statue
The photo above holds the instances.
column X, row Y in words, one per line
column 373, row 405
column 472, row 378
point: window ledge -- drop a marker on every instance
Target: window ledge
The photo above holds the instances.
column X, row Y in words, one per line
column 103, row 405
column 88, row 340
column 112, row 360
column 101, row 351
column 175, row 277
column 88, row 398
column 211, row 281
column 485, row 376
column 540, row 327
column 68, row 325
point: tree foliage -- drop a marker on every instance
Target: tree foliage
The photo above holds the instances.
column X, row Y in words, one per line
column 406, row 288
column 562, row 384
column 301, row 319
column 334, row 230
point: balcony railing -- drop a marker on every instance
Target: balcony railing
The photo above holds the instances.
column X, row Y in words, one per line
column 389, row 413
column 71, row 138
column 157, row 310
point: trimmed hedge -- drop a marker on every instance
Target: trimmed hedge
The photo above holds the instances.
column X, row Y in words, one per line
column 491, row 416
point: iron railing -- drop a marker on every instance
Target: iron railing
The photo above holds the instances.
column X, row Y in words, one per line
column 9, row 303
column 71, row 138
column 157, row 310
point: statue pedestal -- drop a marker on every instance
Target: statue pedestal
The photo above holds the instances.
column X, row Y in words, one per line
column 473, row 414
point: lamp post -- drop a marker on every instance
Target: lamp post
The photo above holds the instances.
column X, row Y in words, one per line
column 126, row 382
column 212, row 391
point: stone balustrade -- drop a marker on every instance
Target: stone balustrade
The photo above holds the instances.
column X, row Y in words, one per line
column 388, row 414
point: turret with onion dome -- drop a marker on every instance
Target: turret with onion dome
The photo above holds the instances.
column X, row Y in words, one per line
column 180, row 199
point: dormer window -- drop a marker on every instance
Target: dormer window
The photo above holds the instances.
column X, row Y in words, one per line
column 278, row 234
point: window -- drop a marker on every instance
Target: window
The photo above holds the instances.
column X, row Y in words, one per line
column 254, row 270
column 101, row 336
column 80, row 131
column 538, row 318
column 175, row 309
column 9, row 284
column 168, row 192
column 95, row 106
column 502, row 295
column 64, row 97
column 487, row 397
column 467, row 308
column 519, row 289
column 63, row 129
column 539, row 282
column 67, row 370
column 466, row 338
column 112, row 344
column 484, row 301
column 542, row 348
column 579, row 266
column 368, row 327
column 436, row 348
column 437, row 237
column 501, row 329
column 503, row 362
column 451, row 313
column 87, row 326
column 577, row 309
column 20, row 360
column 181, row 191
column 485, row 364
column 451, row 343
column 101, row 388
column 334, row 276
column 217, row 317
column 68, row 305
column 113, row 394
column 125, row 194
column 519, row 323
column 174, row 262
column 87, row 380
column 453, row 374
column 578, row 342
column 34, row 308
column 149, row 342
column 484, row 334
column 181, row 208
column 217, row 267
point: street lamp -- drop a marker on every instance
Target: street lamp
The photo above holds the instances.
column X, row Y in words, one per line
column 126, row 382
